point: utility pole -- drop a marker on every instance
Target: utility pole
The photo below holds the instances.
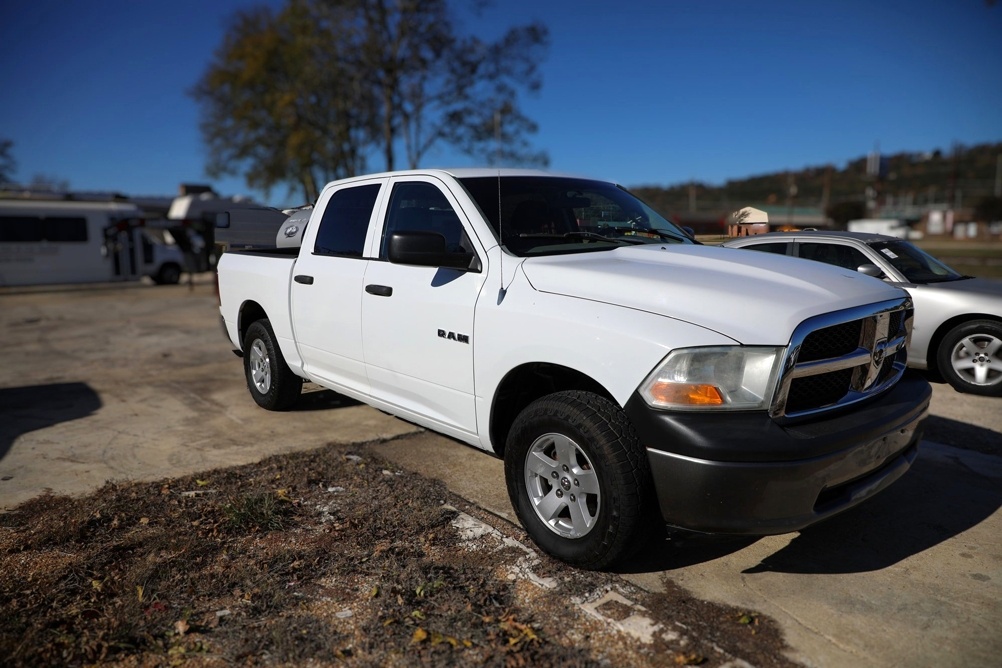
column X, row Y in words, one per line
column 998, row 176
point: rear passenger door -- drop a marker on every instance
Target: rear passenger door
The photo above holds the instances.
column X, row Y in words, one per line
column 417, row 322
column 327, row 287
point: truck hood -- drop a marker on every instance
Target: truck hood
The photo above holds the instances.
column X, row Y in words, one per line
column 753, row 298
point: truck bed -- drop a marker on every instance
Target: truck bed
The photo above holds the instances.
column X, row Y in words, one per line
column 262, row 277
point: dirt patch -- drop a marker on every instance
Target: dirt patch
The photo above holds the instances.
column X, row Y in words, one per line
column 327, row 557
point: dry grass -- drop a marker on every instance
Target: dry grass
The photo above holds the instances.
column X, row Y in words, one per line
column 322, row 558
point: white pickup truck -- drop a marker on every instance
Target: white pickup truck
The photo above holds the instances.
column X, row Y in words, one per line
column 618, row 367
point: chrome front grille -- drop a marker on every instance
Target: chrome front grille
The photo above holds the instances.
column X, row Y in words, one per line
column 840, row 358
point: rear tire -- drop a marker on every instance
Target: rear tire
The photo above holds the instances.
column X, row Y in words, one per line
column 970, row 357
column 269, row 379
column 579, row 479
column 169, row 274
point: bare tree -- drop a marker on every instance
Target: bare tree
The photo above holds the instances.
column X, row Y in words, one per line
column 7, row 163
column 435, row 86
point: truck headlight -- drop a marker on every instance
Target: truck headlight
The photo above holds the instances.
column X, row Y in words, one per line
column 720, row 378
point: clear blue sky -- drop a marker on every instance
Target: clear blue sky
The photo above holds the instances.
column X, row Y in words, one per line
column 641, row 92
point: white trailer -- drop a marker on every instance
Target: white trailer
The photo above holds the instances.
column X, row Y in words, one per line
column 63, row 241
column 893, row 227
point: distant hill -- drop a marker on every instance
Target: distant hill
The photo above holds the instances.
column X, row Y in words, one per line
column 958, row 178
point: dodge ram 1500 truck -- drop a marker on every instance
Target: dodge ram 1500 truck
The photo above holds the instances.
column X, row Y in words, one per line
column 626, row 374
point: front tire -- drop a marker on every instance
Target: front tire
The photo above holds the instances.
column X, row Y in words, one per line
column 579, row 479
column 970, row 357
column 269, row 379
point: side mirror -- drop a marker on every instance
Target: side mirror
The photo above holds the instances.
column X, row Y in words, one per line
column 689, row 231
column 223, row 220
column 426, row 249
column 870, row 270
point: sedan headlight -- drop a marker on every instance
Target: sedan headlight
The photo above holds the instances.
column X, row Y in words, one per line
column 720, row 378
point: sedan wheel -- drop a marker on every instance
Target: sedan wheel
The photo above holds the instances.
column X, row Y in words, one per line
column 970, row 357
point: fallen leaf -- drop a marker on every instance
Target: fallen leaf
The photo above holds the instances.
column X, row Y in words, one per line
column 181, row 627
column 201, row 483
column 420, row 635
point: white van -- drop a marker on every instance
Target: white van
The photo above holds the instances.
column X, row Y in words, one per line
column 45, row 242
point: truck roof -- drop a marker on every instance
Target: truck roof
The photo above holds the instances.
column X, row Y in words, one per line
column 463, row 173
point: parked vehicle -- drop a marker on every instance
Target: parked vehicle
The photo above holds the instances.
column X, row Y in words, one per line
column 617, row 367
column 58, row 241
column 958, row 319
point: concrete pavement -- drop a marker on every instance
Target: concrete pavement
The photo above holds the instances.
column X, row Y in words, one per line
column 138, row 383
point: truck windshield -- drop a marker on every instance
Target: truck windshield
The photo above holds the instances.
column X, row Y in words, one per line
column 545, row 215
column 916, row 265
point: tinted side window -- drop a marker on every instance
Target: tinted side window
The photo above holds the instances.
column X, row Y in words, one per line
column 66, row 229
column 345, row 222
column 839, row 255
column 20, row 229
column 420, row 206
column 777, row 247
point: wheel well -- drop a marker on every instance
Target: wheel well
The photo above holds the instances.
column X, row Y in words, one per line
column 932, row 353
column 524, row 384
column 250, row 313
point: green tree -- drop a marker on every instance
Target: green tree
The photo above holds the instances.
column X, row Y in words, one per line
column 7, row 163
column 301, row 96
column 278, row 106
column 842, row 212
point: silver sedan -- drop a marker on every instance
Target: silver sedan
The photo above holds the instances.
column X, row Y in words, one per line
column 957, row 329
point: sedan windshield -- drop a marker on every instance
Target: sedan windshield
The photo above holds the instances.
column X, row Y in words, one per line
column 545, row 215
column 916, row 265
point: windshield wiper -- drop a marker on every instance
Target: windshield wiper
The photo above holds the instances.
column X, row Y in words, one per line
column 600, row 237
column 575, row 235
column 649, row 231
column 944, row 279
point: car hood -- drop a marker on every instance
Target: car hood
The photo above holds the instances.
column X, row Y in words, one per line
column 936, row 302
column 753, row 298
column 975, row 286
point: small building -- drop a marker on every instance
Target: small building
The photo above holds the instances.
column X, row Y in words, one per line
column 748, row 221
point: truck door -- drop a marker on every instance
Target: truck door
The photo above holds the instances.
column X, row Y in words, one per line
column 417, row 322
column 327, row 288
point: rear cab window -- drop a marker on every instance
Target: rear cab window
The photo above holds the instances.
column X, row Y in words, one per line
column 346, row 221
